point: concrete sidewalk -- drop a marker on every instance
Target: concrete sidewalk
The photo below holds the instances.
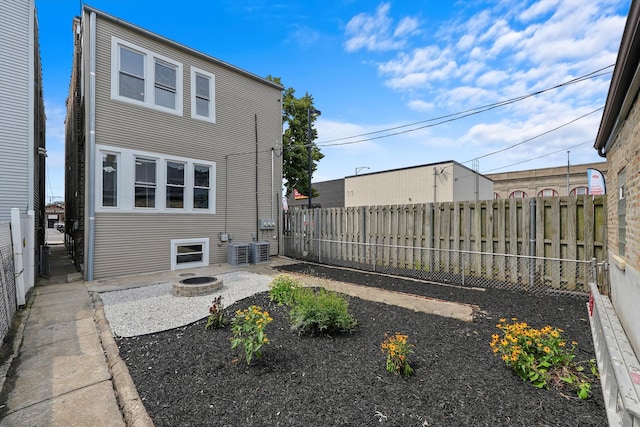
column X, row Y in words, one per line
column 56, row 373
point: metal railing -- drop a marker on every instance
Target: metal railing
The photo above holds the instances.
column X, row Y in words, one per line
column 464, row 268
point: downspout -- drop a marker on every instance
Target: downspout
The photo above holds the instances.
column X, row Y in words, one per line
column 90, row 164
column 257, row 205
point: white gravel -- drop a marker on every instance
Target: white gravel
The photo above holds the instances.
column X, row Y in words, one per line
column 148, row 309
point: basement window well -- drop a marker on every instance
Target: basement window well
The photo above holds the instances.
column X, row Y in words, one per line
column 189, row 253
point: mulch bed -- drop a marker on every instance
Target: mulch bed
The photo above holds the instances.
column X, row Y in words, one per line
column 189, row 376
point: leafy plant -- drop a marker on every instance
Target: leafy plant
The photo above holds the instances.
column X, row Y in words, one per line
column 248, row 331
column 541, row 356
column 321, row 311
column 216, row 318
column 397, row 350
column 283, row 290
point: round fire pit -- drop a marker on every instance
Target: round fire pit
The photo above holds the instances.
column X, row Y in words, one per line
column 196, row 286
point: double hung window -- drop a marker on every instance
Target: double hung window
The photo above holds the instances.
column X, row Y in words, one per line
column 202, row 95
column 175, row 185
column 145, row 185
column 145, row 78
column 201, row 186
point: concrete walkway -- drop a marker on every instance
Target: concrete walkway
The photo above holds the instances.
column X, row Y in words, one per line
column 56, row 372
column 62, row 367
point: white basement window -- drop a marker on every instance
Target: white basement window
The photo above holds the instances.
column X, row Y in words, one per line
column 189, row 253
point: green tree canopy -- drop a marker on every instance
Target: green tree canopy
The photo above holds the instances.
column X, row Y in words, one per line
column 295, row 140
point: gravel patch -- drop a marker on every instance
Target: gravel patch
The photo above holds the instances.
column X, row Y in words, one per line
column 149, row 309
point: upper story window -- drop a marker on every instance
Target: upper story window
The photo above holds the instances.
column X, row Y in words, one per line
column 548, row 192
column 203, row 95
column 579, row 191
column 496, row 196
column 518, row 194
column 622, row 212
column 145, row 78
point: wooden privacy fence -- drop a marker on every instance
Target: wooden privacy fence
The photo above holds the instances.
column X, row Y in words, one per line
column 541, row 241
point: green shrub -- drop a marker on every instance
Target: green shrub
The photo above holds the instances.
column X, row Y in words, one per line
column 283, row 290
column 320, row 311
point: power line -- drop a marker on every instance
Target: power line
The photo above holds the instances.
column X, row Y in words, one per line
column 539, row 157
column 534, row 137
column 459, row 115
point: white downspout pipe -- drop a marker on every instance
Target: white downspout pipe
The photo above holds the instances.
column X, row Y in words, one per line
column 91, row 155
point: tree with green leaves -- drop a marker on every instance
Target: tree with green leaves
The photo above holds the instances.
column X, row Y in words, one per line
column 295, row 119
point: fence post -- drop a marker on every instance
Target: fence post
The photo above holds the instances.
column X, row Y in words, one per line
column 532, row 241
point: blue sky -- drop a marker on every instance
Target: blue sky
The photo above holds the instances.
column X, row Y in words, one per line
column 391, row 67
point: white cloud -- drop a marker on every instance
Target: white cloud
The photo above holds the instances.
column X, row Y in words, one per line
column 376, row 32
column 420, row 105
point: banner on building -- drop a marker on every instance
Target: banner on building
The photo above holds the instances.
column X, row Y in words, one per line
column 596, row 182
column 298, row 196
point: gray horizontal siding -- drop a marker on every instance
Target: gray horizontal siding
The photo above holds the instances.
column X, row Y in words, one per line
column 133, row 243
column 15, row 127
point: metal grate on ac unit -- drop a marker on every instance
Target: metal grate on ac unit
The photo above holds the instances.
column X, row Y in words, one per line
column 259, row 252
column 238, row 253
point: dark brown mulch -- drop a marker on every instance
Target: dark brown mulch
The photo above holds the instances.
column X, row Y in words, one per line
column 190, row 376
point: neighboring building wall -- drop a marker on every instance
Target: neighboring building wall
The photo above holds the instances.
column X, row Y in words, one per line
column 235, row 145
column 22, row 128
column 330, row 195
column 535, row 180
column 442, row 182
column 624, row 156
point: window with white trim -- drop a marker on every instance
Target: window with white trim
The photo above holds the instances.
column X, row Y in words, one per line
column 136, row 181
column 109, row 179
column 145, row 78
column 189, row 253
column 203, row 95
column 145, row 185
column 201, row 186
column 175, row 185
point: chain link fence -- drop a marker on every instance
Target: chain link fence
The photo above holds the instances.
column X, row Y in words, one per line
column 463, row 268
column 8, row 301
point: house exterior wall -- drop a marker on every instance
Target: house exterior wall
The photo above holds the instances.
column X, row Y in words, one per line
column 22, row 127
column 535, row 180
column 245, row 182
column 624, row 268
column 16, row 107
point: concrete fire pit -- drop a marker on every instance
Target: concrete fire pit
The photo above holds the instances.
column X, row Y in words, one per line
column 196, row 286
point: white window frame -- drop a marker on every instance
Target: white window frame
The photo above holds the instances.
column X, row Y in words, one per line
column 183, row 186
column 149, row 77
column 126, row 182
column 175, row 243
column 118, row 179
column 212, row 95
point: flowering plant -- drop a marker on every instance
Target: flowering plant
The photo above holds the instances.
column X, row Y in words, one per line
column 540, row 356
column 397, row 350
column 248, row 331
column 216, row 317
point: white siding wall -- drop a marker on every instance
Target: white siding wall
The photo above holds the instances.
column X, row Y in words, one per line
column 467, row 183
column 16, row 114
column 135, row 242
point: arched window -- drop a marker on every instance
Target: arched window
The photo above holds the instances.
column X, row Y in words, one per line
column 518, row 195
column 548, row 192
column 579, row 191
column 496, row 196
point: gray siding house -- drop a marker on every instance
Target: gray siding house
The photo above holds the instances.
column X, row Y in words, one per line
column 170, row 153
column 22, row 129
